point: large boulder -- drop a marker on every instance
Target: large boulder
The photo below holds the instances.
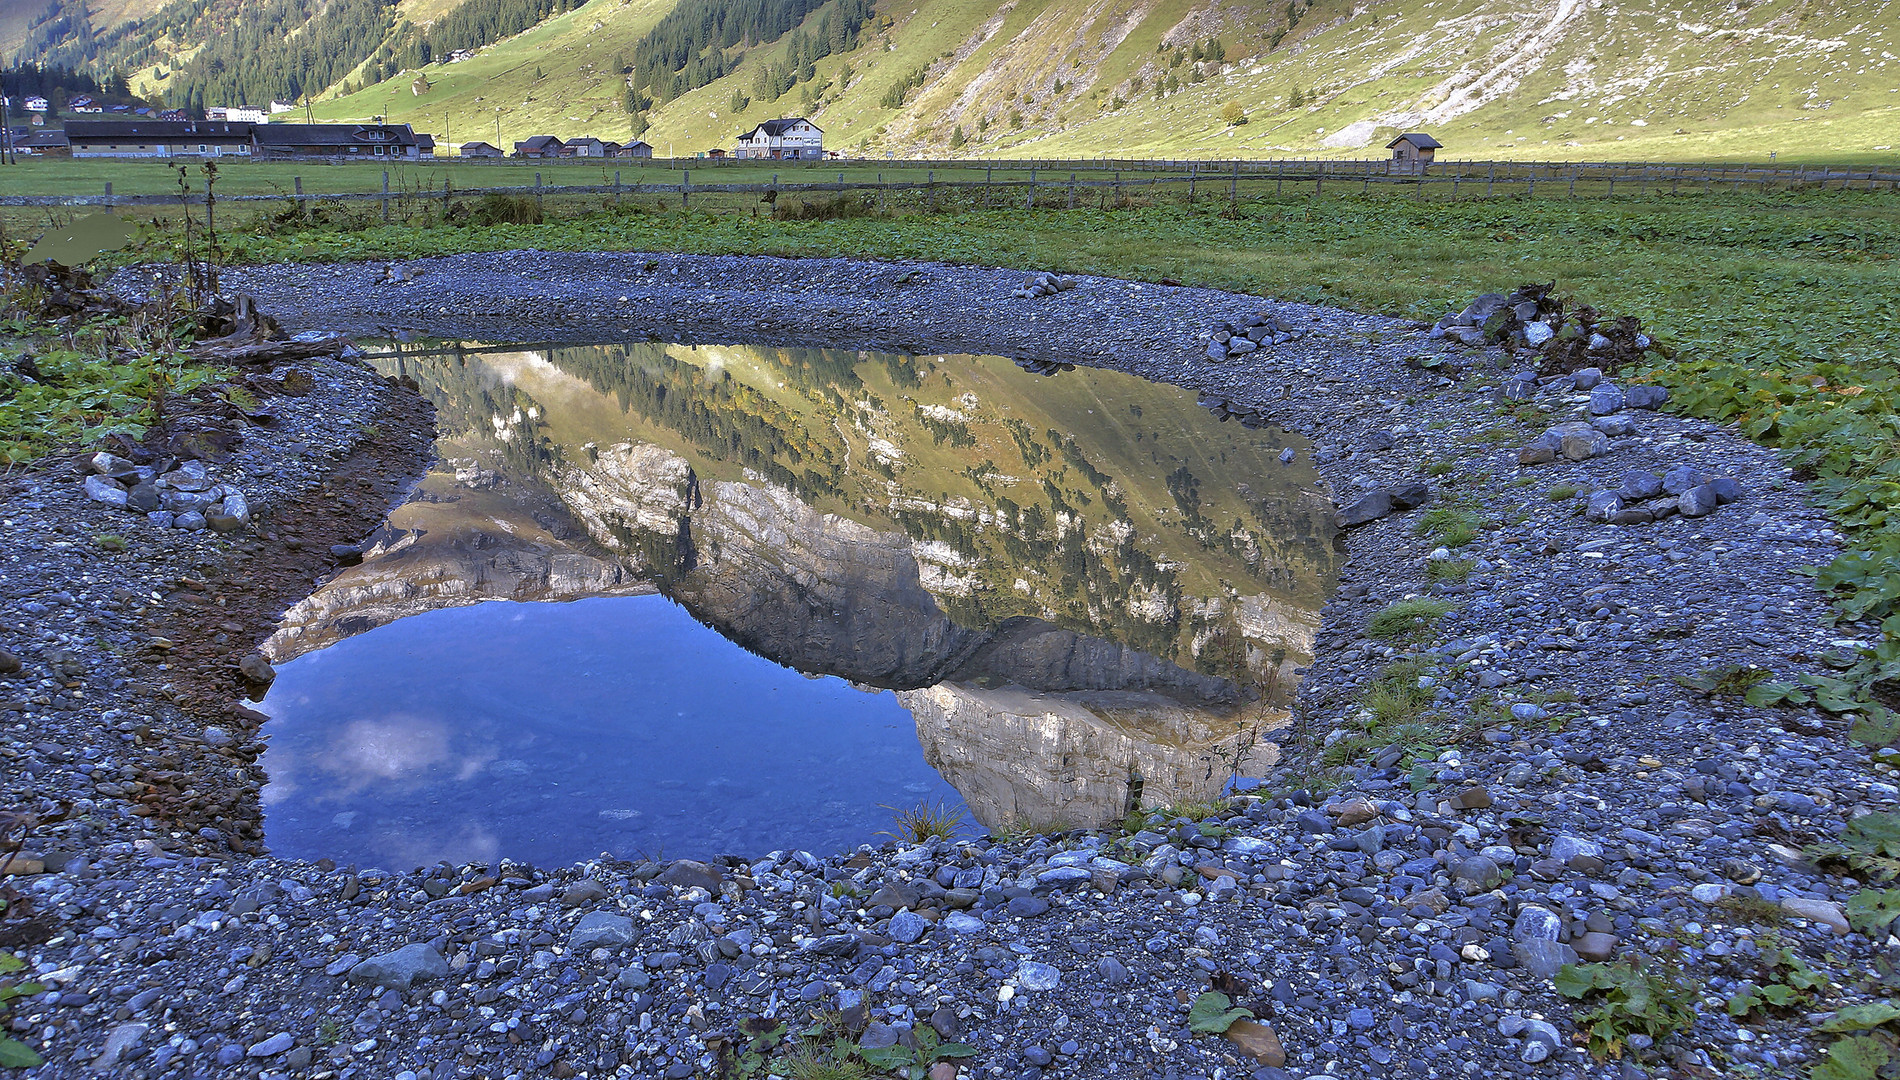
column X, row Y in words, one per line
column 1574, row 441
column 600, row 929
column 403, row 968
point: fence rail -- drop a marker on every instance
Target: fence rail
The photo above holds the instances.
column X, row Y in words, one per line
column 1125, row 177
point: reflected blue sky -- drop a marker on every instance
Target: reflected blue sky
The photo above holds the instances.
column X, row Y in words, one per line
column 554, row 732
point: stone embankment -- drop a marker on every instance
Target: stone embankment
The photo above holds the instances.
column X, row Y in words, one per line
column 1563, row 795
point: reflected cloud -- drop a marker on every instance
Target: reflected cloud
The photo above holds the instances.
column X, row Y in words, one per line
column 414, row 844
column 365, row 753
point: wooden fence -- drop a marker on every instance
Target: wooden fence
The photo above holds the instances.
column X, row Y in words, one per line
column 1065, row 179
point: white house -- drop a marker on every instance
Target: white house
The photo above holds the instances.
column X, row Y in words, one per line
column 793, row 137
column 36, row 104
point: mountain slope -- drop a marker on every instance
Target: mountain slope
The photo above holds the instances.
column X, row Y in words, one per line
column 1545, row 79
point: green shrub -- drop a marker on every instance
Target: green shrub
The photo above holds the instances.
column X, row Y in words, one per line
column 1632, row 999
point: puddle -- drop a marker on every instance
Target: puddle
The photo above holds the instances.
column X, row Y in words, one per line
column 743, row 598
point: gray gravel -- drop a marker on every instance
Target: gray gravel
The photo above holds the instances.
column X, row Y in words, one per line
column 1400, row 922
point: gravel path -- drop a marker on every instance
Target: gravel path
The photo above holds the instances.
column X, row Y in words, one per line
column 1403, row 922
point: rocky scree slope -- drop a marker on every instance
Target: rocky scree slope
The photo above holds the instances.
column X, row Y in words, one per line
column 1568, row 797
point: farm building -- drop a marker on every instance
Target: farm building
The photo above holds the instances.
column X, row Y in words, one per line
column 206, row 138
column 480, row 150
column 540, row 146
column 160, row 138
column 639, row 148
column 589, row 147
column 340, row 140
column 1412, row 152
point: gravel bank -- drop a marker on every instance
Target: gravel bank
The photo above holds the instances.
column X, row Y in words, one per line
column 1403, row 923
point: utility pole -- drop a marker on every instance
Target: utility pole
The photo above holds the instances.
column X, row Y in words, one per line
column 7, row 155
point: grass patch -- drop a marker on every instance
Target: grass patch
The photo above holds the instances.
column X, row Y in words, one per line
column 1019, row 829
column 1752, row 909
column 1195, row 811
column 1449, row 525
column 1452, row 570
column 1562, row 492
column 1408, row 620
column 1392, row 712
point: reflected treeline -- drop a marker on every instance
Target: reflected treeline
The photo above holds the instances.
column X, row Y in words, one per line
column 1095, row 501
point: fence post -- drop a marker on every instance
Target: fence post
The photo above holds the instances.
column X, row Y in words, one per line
column 686, row 184
column 448, row 190
column 1572, row 193
column 1490, row 177
column 1193, row 168
column 989, row 175
column 616, row 187
column 1071, row 204
column 1233, row 189
column 297, row 184
column 108, row 193
column 385, row 196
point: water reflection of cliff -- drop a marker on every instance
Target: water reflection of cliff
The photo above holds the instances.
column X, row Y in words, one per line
column 1081, row 584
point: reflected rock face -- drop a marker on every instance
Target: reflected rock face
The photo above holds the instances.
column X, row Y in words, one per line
column 1070, row 760
column 446, row 547
column 1080, row 586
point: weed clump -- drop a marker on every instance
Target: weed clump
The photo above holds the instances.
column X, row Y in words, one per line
column 497, row 209
column 925, row 821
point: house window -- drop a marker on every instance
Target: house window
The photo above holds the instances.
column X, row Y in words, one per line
column 201, row 148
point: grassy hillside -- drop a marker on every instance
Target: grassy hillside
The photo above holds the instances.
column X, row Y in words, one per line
column 576, row 92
